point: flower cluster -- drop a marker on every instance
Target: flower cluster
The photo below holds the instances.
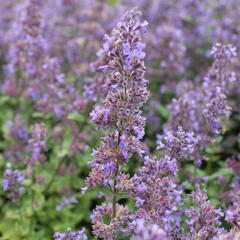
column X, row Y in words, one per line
column 177, row 145
column 156, row 192
column 233, row 215
column 216, row 86
column 145, row 231
column 80, row 235
column 233, row 211
column 204, row 218
column 12, row 182
column 120, row 223
column 18, row 131
column 203, row 107
column 127, row 92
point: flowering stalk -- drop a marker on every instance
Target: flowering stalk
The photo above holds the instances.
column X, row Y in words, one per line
column 204, row 219
column 120, row 112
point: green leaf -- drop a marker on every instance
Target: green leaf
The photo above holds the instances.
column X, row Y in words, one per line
column 163, row 111
column 76, row 117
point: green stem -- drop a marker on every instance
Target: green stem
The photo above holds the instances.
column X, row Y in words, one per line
column 48, row 186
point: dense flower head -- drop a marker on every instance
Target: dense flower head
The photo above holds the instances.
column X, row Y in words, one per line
column 233, row 214
column 233, row 211
column 178, row 145
column 126, row 83
column 204, row 219
column 79, row 235
column 216, row 85
column 13, row 179
column 99, row 177
column 147, row 231
column 215, row 109
column 118, row 148
column 126, row 92
column 156, row 192
column 109, row 231
column 223, row 53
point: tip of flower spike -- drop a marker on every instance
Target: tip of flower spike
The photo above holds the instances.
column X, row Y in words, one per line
column 220, row 50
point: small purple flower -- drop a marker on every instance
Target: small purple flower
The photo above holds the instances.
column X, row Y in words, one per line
column 123, row 146
column 126, row 48
column 128, row 62
column 66, row 202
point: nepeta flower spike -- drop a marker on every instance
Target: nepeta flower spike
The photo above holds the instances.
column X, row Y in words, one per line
column 120, row 112
column 204, row 219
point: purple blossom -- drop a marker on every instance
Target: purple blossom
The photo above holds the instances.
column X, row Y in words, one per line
column 178, row 145
column 233, row 215
column 155, row 189
column 126, row 48
column 110, row 231
column 203, row 106
column 79, row 235
column 123, row 146
column 13, row 179
column 204, row 219
column 147, row 231
column 122, row 56
column 65, row 202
